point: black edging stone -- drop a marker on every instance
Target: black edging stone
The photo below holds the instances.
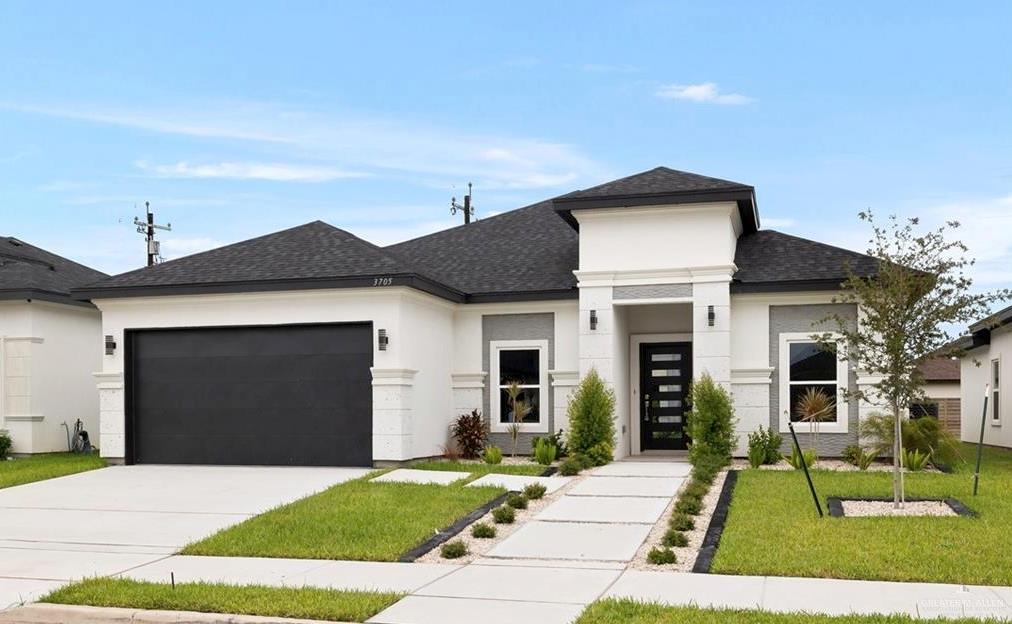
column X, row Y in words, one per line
column 716, row 528
column 444, row 535
column 549, row 471
column 835, row 504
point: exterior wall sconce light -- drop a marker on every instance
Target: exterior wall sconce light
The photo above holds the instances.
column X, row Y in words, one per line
column 593, row 320
column 711, row 316
column 110, row 344
column 382, row 339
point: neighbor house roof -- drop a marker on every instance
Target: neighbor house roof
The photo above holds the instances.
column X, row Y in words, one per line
column 661, row 185
column 525, row 254
column 980, row 332
column 30, row 272
column 314, row 255
column 940, row 369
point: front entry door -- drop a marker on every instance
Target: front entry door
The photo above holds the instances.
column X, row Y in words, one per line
column 665, row 373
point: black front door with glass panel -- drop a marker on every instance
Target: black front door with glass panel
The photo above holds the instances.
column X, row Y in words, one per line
column 665, row 373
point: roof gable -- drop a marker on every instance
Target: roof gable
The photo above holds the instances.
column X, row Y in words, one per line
column 27, row 271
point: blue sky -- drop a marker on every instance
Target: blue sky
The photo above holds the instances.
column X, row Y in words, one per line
column 238, row 119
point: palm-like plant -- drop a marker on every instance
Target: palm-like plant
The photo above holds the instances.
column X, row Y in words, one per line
column 813, row 405
column 520, row 409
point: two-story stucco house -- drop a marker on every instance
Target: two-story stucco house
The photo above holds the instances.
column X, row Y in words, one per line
column 312, row 346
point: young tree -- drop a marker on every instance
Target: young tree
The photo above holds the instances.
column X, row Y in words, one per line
column 920, row 290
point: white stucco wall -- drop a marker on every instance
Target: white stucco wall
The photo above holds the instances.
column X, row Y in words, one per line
column 973, row 378
column 48, row 354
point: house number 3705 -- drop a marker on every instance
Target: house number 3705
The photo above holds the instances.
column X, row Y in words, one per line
column 382, row 281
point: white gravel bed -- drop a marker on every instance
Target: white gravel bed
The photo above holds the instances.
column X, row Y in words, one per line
column 478, row 547
column 686, row 555
column 853, row 508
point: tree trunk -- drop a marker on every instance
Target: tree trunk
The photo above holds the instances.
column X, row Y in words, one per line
column 897, row 458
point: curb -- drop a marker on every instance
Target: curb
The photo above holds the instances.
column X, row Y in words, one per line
column 47, row 613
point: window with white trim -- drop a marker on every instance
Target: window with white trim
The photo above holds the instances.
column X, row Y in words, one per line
column 996, row 390
column 807, row 366
column 524, row 362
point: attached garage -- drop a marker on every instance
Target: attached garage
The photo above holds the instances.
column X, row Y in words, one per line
column 266, row 395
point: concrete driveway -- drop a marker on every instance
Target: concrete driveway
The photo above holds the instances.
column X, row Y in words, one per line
column 114, row 519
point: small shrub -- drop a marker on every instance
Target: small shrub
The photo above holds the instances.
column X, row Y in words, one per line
column 915, row 460
column 569, row 467
column 866, row 459
column 504, row 515
column 922, row 434
column 794, row 459
column 535, row 491
column 696, row 489
column 470, row 432
column 592, row 416
column 852, row 454
column 711, row 421
column 5, row 445
column 682, row 522
column 690, row 506
column 558, row 439
column 675, row 539
column 453, row 550
column 492, row 455
column 661, row 556
column 517, row 501
column 764, row 447
column 600, row 454
column 544, row 451
column 756, row 452
column 483, row 530
column 584, row 461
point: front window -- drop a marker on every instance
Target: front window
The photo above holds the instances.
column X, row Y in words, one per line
column 995, row 390
column 812, row 376
column 928, row 409
column 524, row 364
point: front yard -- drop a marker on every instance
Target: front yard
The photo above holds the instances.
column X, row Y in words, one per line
column 358, row 520
column 772, row 527
column 288, row 602
column 46, row 466
column 481, row 469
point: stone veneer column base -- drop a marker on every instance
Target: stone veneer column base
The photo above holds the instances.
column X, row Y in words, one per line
column 392, row 413
column 112, row 416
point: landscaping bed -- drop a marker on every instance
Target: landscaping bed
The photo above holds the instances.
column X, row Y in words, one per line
column 357, row 520
column 46, row 466
column 773, row 529
column 286, row 602
column 633, row 612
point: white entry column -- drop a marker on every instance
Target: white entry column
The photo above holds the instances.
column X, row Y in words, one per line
column 711, row 327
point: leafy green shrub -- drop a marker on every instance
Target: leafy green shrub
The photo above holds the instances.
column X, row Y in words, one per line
column 583, row 461
column 558, row 439
column 756, row 451
column 569, row 467
column 600, row 454
column 661, row 556
column 535, row 491
column 711, row 421
column 517, row 501
column 470, row 432
column 764, row 446
column 544, row 451
column 865, row 459
column 915, row 460
column 690, row 506
column 922, row 434
column 682, row 522
column 591, row 419
column 696, row 489
column 453, row 550
column 794, row 459
column 492, row 455
column 675, row 539
column 483, row 530
column 706, row 468
column 5, row 445
column 851, row 454
column 504, row 515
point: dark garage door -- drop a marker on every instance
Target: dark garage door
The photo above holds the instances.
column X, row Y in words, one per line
column 283, row 395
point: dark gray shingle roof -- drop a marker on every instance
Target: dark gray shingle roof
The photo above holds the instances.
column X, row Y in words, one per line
column 773, row 258
column 27, row 270
column 657, row 181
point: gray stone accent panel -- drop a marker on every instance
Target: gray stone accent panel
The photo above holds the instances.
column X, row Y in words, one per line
column 805, row 318
column 652, row 291
column 517, row 327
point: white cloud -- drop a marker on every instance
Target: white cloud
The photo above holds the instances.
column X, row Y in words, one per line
column 277, row 172
column 705, row 92
column 347, row 141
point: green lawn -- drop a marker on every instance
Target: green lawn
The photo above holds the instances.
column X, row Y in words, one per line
column 480, row 470
column 772, row 527
column 46, row 466
column 358, row 520
column 630, row 612
column 290, row 602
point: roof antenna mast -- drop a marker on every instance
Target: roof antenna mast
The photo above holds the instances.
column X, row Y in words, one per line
column 467, row 208
column 147, row 228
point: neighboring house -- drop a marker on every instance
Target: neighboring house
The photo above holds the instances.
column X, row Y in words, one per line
column 941, row 393
column 988, row 352
column 49, row 348
column 312, row 346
